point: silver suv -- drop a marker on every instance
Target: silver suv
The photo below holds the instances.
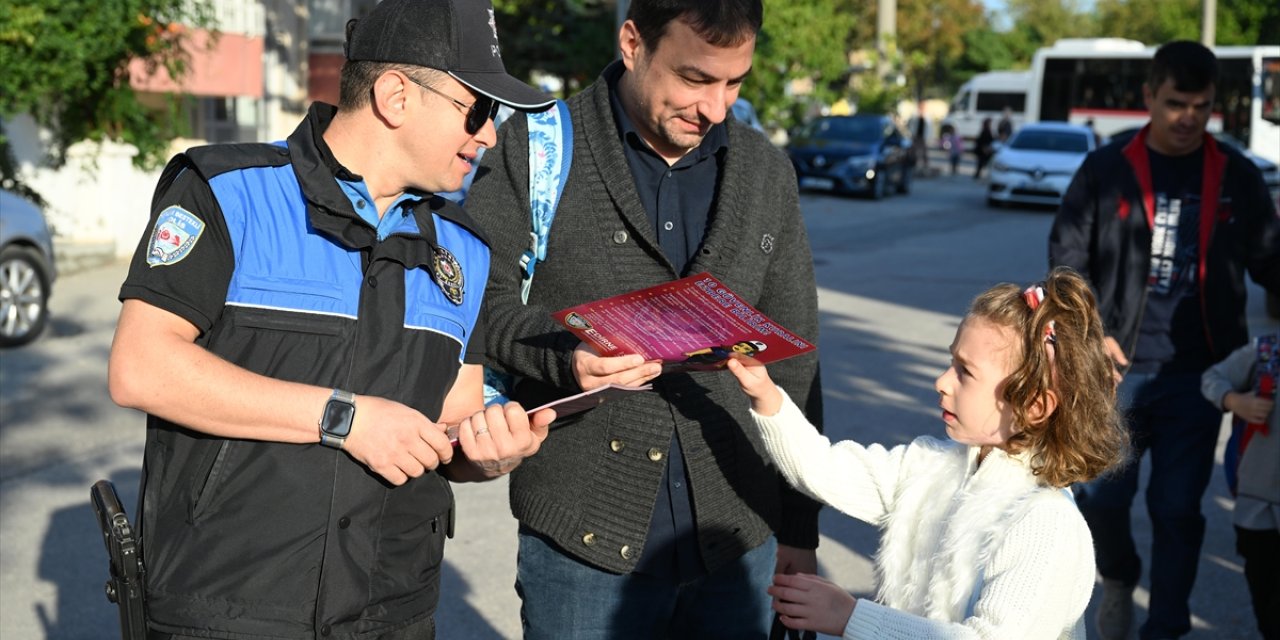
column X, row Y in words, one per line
column 26, row 270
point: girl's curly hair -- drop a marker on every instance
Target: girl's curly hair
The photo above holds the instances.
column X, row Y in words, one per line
column 1061, row 352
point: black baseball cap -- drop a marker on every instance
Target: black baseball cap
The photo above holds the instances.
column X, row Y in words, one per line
column 459, row 37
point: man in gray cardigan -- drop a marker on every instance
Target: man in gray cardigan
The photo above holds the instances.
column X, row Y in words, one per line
column 656, row 515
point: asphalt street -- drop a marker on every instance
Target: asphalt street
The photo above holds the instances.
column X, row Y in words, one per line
column 894, row 278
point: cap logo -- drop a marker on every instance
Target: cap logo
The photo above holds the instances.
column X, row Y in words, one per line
column 493, row 26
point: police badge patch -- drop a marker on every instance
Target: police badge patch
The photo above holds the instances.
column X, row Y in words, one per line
column 173, row 236
column 448, row 275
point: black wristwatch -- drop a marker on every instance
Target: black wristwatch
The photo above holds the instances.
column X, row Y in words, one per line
column 335, row 423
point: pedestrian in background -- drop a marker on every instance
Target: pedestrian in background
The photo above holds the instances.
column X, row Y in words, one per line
column 1164, row 226
column 300, row 323
column 954, row 144
column 980, row 537
column 983, row 147
column 684, row 524
column 1004, row 129
column 1245, row 384
column 920, row 140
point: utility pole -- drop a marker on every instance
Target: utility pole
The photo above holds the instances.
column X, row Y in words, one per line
column 1208, row 22
column 886, row 34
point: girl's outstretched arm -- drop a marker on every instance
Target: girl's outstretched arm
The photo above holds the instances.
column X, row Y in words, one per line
column 860, row 481
column 754, row 379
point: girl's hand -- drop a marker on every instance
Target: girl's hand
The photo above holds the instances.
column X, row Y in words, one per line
column 812, row 603
column 766, row 400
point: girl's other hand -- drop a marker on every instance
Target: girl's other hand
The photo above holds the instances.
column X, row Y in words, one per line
column 752, row 376
column 812, row 603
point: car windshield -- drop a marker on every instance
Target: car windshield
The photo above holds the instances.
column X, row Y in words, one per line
column 1063, row 141
column 844, row 129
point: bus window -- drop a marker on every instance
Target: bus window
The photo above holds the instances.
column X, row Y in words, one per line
column 1271, row 90
column 1234, row 95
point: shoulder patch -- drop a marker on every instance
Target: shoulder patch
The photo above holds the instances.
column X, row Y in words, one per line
column 173, row 236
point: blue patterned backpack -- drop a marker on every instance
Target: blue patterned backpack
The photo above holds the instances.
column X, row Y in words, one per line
column 550, row 153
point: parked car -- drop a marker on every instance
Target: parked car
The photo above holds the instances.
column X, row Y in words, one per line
column 867, row 153
column 1038, row 162
column 26, row 270
column 745, row 112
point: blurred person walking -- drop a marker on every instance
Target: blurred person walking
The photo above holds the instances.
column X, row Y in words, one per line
column 1164, row 226
column 983, row 148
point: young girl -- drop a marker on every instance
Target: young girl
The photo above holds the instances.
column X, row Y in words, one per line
column 981, row 537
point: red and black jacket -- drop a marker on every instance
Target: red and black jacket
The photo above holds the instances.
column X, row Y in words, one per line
column 1103, row 230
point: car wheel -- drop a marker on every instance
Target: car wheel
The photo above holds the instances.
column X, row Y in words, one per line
column 993, row 203
column 24, row 296
column 904, row 183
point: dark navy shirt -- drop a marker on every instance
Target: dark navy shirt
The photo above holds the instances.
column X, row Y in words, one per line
column 1171, row 336
column 679, row 200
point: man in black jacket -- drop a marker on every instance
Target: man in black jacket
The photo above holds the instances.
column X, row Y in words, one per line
column 1164, row 226
column 655, row 516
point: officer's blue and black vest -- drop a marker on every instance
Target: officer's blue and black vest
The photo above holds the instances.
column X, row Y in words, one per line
column 259, row 539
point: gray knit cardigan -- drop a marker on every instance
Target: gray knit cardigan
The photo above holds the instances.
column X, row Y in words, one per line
column 592, row 487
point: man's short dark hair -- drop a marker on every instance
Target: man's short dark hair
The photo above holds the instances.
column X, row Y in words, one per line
column 723, row 24
column 1191, row 66
column 356, row 82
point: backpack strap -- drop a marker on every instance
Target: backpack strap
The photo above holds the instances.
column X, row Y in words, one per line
column 550, row 154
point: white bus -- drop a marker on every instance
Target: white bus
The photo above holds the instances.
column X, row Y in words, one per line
column 1100, row 79
column 987, row 95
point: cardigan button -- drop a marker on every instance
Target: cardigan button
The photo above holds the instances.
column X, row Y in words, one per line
column 589, row 539
column 655, row 454
column 617, row 445
column 625, row 552
column 619, row 237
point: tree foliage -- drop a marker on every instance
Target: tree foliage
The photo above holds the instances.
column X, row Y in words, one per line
column 570, row 39
column 801, row 42
column 1238, row 22
column 66, row 63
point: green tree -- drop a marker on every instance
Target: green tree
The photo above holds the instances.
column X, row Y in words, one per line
column 1238, row 22
column 800, row 41
column 1040, row 23
column 932, row 39
column 66, row 63
column 570, row 39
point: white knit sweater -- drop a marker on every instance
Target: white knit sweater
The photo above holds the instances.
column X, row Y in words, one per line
column 967, row 550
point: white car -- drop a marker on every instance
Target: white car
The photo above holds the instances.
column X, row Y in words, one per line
column 1038, row 162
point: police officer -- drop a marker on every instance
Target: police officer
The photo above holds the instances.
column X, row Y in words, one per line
column 301, row 324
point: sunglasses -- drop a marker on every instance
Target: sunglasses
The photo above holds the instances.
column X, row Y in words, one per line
column 479, row 112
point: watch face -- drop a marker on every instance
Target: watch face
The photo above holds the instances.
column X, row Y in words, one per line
column 337, row 418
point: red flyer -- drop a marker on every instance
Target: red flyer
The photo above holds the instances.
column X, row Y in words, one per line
column 694, row 323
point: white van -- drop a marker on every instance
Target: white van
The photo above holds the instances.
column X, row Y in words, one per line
column 986, row 95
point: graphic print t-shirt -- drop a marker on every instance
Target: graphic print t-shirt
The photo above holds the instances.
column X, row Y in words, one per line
column 1171, row 336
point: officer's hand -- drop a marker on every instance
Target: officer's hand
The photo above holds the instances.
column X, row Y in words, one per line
column 594, row 371
column 497, row 439
column 395, row 441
